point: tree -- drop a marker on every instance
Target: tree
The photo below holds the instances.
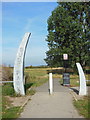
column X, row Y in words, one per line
column 68, row 32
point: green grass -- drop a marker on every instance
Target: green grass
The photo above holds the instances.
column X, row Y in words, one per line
column 36, row 72
column 34, row 78
column 74, row 80
column 8, row 111
column 12, row 112
column 83, row 106
column 31, row 92
column 7, row 89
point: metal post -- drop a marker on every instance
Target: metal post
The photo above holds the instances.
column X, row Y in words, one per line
column 66, row 76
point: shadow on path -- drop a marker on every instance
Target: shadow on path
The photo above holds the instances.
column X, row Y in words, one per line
column 75, row 90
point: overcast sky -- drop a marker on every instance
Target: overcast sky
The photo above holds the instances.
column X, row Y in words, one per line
column 18, row 18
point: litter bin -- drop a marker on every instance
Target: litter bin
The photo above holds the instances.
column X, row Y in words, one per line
column 66, row 79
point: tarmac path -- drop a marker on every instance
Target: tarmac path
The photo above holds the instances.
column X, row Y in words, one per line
column 58, row 105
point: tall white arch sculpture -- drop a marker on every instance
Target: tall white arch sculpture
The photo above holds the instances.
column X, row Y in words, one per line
column 83, row 89
column 18, row 73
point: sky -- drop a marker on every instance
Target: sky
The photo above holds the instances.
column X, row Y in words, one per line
column 21, row 17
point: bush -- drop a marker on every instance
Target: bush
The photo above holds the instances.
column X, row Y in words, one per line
column 83, row 106
column 30, row 92
column 87, row 71
column 7, row 74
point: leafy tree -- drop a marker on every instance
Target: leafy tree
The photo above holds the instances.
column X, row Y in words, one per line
column 68, row 32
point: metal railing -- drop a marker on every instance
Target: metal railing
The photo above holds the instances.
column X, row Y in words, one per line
column 6, row 81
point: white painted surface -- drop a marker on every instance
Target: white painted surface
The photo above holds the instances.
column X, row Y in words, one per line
column 65, row 56
column 83, row 89
column 18, row 74
column 6, row 81
column 50, row 83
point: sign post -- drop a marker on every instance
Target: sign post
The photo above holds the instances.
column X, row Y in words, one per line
column 65, row 58
column 66, row 76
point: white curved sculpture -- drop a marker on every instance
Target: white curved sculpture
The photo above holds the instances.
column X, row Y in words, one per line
column 83, row 89
column 18, row 74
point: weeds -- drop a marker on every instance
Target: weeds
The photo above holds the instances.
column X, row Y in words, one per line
column 83, row 106
column 7, row 89
column 8, row 111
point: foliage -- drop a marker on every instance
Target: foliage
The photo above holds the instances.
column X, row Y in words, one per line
column 30, row 92
column 7, row 74
column 33, row 77
column 8, row 90
column 68, row 32
column 41, row 66
column 61, row 71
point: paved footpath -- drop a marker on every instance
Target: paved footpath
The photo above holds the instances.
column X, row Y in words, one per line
column 58, row 105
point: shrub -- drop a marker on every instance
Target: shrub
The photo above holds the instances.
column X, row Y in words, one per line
column 7, row 74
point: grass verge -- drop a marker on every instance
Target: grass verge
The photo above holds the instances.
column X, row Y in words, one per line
column 7, row 89
column 83, row 106
column 8, row 111
column 34, row 78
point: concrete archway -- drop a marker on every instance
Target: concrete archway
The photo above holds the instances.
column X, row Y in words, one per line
column 83, row 89
column 18, row 73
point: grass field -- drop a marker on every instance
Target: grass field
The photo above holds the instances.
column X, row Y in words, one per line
column 34, row 77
